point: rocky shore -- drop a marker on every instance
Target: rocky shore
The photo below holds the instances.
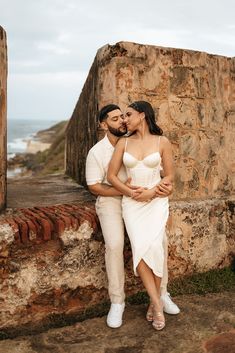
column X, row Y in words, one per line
column 44, row 154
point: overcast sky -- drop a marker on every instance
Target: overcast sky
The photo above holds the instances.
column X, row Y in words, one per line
column 52, row 43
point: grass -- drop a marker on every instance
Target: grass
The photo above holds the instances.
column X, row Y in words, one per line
column 213, row 281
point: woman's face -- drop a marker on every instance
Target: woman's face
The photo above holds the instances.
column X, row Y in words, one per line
column 132, row 119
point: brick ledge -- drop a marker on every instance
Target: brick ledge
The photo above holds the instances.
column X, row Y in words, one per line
column 40, row 224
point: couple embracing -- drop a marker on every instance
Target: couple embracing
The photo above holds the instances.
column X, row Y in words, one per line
column 123, row 170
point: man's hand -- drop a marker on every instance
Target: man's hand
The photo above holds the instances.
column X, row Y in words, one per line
column 136, row 191
column 164, row 189
column 143, row 194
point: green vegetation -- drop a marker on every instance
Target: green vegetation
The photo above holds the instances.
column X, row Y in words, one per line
column 213, row 281
column 51, row 160
column 55, row 156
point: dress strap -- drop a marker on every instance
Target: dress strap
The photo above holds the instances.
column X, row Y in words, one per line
column 125, row 145
column 158, row 145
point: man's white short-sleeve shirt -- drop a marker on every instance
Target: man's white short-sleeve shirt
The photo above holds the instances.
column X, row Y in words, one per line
column 97, row 163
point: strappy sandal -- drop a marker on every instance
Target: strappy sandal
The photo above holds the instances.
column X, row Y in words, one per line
column 149, row 314
column 158, row 320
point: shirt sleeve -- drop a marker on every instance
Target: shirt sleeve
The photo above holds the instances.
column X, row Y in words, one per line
column 94, row 170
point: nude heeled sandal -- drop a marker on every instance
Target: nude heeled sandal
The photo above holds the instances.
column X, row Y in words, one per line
column 149, row 314
column 158, row 320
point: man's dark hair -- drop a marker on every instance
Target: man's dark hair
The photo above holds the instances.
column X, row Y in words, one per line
column 103, row 113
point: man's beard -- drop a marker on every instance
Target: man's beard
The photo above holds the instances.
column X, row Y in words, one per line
column 116, row 132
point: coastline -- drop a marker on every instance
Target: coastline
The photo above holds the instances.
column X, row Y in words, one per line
column 31, row 161
column 34, row 146
column 17, row 163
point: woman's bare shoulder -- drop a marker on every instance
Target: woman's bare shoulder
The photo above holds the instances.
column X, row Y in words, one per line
column 165, row 140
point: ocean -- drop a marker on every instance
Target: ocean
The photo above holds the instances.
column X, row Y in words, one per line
column 19, row 131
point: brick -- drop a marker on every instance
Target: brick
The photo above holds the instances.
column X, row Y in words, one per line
column 58, row 222
column 65, row 219
column 23, row 228
column 90, row 218
column 15, row 228
column 32, row 229
column 43, row 214
column 65, row 213
column 35, row 219
column 60, row 227
column 74, row 220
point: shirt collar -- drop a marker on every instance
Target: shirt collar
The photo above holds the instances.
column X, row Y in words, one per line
column 108, row 143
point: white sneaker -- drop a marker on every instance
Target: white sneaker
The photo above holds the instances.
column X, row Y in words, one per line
column 169, row 306
column 114, row 318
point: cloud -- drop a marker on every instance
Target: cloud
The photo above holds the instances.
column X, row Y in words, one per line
column 48, row 39
column 50, row 96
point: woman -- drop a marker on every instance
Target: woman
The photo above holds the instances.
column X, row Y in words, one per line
column 145, row 215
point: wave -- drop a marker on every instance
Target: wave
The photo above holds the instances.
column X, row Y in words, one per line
column 17, row 145
column 20, row 132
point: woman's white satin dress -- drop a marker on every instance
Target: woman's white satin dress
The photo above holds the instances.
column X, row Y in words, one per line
column 145, row 221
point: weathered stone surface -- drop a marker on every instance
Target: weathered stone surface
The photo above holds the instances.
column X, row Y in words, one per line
column 200, row 236
column 52, row 256
column 80, row 129
column 3, row 117
column 205, row 325
column 48, row 190
column 193, row 94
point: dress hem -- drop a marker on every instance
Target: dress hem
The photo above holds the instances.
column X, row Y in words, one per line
column 158, row 274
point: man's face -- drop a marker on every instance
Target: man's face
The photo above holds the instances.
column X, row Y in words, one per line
column 115, row 123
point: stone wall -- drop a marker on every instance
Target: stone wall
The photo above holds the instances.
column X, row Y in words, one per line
column 52, row 268
column 193, row 94
column 3, row 120
column 82, row 126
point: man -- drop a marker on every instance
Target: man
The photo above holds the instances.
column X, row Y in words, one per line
column 109, row 211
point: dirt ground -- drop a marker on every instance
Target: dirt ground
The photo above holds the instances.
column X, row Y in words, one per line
column 206, row 324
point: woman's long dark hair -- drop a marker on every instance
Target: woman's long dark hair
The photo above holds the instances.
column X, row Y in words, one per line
column 147, row 109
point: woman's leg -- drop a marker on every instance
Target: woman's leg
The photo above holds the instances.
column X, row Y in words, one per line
column 152, row 284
